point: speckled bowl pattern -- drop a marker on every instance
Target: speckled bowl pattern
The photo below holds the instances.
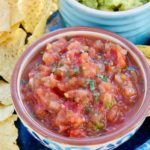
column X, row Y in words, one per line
column 56, row 141
column 61, row 146
column 132, row 24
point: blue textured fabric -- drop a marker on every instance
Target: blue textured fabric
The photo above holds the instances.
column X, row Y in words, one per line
column 27, row 142
column 144, row 146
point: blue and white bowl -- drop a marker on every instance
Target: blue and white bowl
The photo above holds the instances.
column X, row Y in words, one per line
column 56, row 141
column 132, row 24
column 61, row 146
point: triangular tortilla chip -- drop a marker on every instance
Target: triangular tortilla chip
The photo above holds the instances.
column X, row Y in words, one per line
column 15, row 12
column 8, row 134
column 6, row 35
column 6, row 112
column 54, row 6
column 32, row 11
column 5, row 96
column 145, row 49
column 9, row 53
column 40, row 28
column 4, row 16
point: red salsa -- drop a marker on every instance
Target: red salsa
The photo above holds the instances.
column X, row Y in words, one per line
column 82, row 86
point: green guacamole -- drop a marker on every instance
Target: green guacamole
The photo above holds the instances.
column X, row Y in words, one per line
column 113, row 5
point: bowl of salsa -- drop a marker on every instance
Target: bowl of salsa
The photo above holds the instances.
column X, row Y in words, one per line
column 81, row 87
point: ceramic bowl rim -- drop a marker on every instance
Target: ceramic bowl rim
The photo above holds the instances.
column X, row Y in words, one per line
column 108, row 13
column 141, row 115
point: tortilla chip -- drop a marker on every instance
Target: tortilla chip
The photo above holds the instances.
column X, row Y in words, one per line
column 8, row 134
column 54, row 6
column 5, row 96
column 15, row 12
column 145, row 49
column 4, row 16
column 6, row 112
column 6, row 35
column 9, row 53
column 32, row 11
column 22, row 49
column 48, row 7
column 40, row 28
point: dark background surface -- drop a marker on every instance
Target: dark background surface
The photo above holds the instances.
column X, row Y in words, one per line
column 27, row 142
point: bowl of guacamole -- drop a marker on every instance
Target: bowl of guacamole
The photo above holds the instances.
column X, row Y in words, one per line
column 113, row 5
column 128, row 18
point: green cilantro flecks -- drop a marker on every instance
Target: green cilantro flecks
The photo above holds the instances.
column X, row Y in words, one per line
column 99, row 125
column 88, row 109
column 108, row 105
column 76, row 70
column 96, row 96
column 61, row 64
column 68, row 74
column 54, row 67
column 106, row 62
column 91, row 84
column 103, row 77
column 23, row 82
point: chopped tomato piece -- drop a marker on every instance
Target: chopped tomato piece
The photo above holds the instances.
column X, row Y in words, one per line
column 115, row 115
column 50, row 81
column 77, row 133
column 79, row 95
column 89, row 70
column 98, row 45
column 59, row 45
column 74, row 46
column 50, row 57
column 84, row 58
column 105, row 87
column 116, row 55
column 92, row 52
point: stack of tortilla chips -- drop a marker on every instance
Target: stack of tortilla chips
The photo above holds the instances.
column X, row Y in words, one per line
column 21, row 23
column 8, row 131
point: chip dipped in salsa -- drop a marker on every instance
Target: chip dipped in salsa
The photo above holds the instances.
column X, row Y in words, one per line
column 82, row 86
